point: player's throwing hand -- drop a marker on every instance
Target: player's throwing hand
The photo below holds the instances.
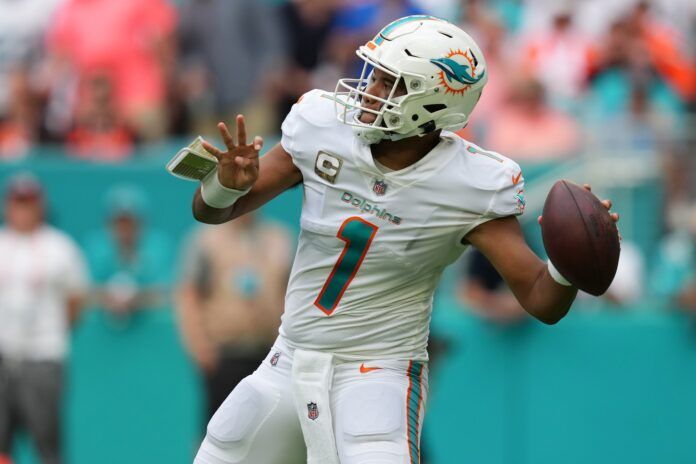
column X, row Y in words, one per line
column 238, row 167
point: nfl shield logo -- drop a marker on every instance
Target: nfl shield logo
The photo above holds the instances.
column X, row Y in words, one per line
column 312, row 411
column 274, row 359
column 380, row 187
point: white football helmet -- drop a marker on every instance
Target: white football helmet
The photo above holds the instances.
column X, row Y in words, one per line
column 441, row 66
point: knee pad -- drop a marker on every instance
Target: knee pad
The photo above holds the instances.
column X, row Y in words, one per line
column 234, row 425
column 373, row 424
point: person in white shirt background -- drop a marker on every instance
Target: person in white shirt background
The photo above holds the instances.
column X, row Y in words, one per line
column 43, row 280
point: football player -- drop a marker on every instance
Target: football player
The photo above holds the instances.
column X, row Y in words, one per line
column 391, row 197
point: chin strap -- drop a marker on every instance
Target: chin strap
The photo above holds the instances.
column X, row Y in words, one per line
column 369, row 136
column 372, row 136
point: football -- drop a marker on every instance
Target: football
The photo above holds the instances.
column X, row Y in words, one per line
column 580, row 237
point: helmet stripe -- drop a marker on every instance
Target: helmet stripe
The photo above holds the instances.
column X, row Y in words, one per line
column 399, row 22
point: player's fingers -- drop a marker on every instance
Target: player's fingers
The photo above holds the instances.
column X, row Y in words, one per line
column 211, row 149
column 241, row 130
column 587, row 187
column 615, row 217
column 226, row 136
column 258, row 143
column 607, row 203
column 539, row 220
column 252, row 151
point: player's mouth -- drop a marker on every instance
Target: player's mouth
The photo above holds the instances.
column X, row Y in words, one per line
column 367, row 118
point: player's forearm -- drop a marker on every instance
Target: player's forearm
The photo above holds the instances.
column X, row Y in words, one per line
column 528, row 277
column 207, row 214
column 252, row 201
column 277, row 174
column 547, row 300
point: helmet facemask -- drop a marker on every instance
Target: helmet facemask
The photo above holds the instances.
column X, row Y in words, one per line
column 390, row 119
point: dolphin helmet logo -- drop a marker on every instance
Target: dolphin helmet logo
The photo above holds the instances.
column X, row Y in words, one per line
column 455, row 74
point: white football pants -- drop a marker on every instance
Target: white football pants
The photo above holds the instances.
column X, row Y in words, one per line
column 377, row 409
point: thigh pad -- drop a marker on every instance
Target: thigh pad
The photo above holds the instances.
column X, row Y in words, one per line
column 373, row 423
column 238, row 420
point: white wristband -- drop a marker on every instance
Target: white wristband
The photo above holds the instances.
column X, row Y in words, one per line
column 217, row 195
column 555, row 275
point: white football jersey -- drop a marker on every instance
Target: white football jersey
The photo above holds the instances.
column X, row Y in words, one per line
column 373, row 245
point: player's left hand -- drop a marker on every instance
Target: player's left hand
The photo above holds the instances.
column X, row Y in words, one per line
column 607, row 204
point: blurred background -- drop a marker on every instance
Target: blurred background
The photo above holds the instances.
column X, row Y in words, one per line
column 120, row 331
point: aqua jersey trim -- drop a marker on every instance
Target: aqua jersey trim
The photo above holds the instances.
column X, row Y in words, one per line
column 414, row 398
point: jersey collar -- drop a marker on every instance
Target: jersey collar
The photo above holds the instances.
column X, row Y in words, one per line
column 418, row 171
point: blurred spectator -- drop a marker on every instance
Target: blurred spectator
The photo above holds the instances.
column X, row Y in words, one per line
column 5, row 459
column 527, row 129
column 486, row 294
column 633, row 112
column 18, row 129
column 131, row 42
column 22, row 27
column 229, row 50
column 230, row 299
column 560, row 57
column 624, row 63
column 42, row 284
column 307, row 27
column 642, row 131
column 664, row 46
column 99, row 133
column 674, row 274
column 130, row 262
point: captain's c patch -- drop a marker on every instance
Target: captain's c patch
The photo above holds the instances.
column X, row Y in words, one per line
column 327, row 166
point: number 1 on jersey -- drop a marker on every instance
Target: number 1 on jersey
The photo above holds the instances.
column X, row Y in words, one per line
column 358, row 234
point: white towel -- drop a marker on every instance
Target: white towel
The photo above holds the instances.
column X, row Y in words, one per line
column 312, row 372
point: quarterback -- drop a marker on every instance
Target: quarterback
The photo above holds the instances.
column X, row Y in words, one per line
column 391, row 197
